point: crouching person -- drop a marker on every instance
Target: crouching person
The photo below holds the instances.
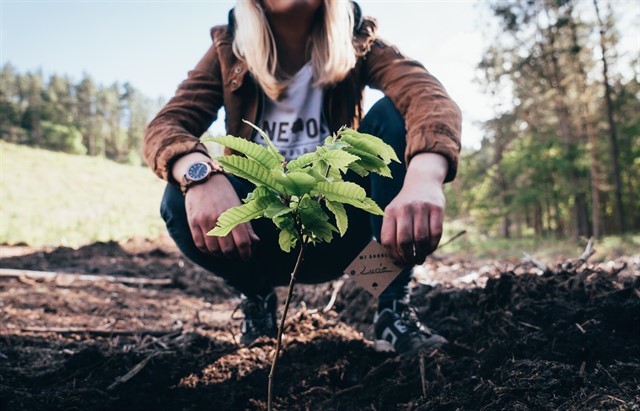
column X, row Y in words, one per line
column 298, row 69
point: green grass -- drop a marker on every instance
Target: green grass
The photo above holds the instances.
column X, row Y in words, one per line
column 51, row 198
column 475, row 244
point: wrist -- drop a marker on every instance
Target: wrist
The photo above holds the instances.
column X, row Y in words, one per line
column 427, row 168
column 182, row 164
column 209, row 184
column 199, row 173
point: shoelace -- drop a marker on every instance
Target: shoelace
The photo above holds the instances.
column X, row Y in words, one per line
column 409, row 318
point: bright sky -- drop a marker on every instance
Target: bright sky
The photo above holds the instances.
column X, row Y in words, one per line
column 153, row 43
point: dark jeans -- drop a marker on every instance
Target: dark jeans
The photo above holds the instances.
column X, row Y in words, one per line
column 270, row 266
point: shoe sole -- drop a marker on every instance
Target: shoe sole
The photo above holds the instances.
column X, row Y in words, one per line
column 387, row 347
column 383, row 346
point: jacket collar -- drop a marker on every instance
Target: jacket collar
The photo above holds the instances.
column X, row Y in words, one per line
column 357, row 18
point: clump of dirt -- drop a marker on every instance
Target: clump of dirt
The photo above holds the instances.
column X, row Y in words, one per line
column 568, row 338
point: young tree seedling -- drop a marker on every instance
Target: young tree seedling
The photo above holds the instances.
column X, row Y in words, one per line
column 292, row 194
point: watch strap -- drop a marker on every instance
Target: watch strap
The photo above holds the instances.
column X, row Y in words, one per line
column 187, row 183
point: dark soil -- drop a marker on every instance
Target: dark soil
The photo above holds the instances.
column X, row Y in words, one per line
column 566, row 339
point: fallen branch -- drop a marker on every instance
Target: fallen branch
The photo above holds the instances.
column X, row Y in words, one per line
column 423, row 376
column 588, row 252
column 132, row 373
column 529, row 259
column 334, row 295
column 70, row 277
column 349, row 390
column 455, row 237
column 97, row 332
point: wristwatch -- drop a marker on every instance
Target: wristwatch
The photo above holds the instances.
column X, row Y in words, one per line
column 198, row 173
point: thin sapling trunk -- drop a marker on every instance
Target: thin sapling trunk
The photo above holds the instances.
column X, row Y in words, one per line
column 274, row 364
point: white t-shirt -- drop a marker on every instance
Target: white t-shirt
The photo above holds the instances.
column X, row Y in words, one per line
column 295, row 124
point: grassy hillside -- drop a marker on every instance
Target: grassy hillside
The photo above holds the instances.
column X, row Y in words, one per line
column 50, row 198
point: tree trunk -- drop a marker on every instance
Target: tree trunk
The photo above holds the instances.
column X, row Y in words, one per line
column 537, row 219
column 566, row 132
column 558, row 215
column 613, row 138
column 582, row 215
column 595, row 180
column 549, row 221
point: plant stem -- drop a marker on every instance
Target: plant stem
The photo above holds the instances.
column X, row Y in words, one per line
column 281, row 326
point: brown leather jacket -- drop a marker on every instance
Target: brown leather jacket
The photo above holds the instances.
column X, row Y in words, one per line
column 432, row 119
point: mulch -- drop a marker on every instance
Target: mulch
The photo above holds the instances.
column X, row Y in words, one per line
column 519, row 338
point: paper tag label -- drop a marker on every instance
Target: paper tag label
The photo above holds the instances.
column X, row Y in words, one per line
column 372, row 269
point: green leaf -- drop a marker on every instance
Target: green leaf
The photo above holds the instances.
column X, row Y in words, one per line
column 258, row 192
column 266, row 138
column 287, row 240
column 342, row 191
column 302, row 161
column 330, row 145
column 371, row 207
column 231, row 218
column 315, row 222
column 277, row 209
column 250, row 149
column 370, row 143
column 340, row 214
column 338, row 159
column 348, row 193
column 358, row 169
column 251, row 170
column 319, row 172
column 295, row 182
column 370, row 162
column 284, row 221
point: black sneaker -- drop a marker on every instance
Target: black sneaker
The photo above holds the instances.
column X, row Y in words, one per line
column 398, row 330
column 259, row 318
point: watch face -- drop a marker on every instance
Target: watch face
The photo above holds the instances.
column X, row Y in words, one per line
column 198, row 171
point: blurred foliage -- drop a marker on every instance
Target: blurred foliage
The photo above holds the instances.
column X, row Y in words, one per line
column 83, row 117
column 545, row 165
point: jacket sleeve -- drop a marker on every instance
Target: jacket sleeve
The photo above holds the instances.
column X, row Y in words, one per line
column 176, row 129
column 432, row 119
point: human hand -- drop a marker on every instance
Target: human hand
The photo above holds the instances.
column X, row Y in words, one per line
column 204, row 204
column 412, row 225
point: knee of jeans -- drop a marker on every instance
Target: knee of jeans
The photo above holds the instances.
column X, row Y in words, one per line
column 172, row 204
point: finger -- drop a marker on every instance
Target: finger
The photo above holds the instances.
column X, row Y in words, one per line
column 242, row 239
column 405, row 237
column 228, row 246
column 436, row 220
column 421, row 235
column 388, row 238
column 212, row 244
column 198, row 239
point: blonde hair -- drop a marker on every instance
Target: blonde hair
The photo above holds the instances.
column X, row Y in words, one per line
column 332, row 52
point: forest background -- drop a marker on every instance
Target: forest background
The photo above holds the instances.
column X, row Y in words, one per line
column 558, row 159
